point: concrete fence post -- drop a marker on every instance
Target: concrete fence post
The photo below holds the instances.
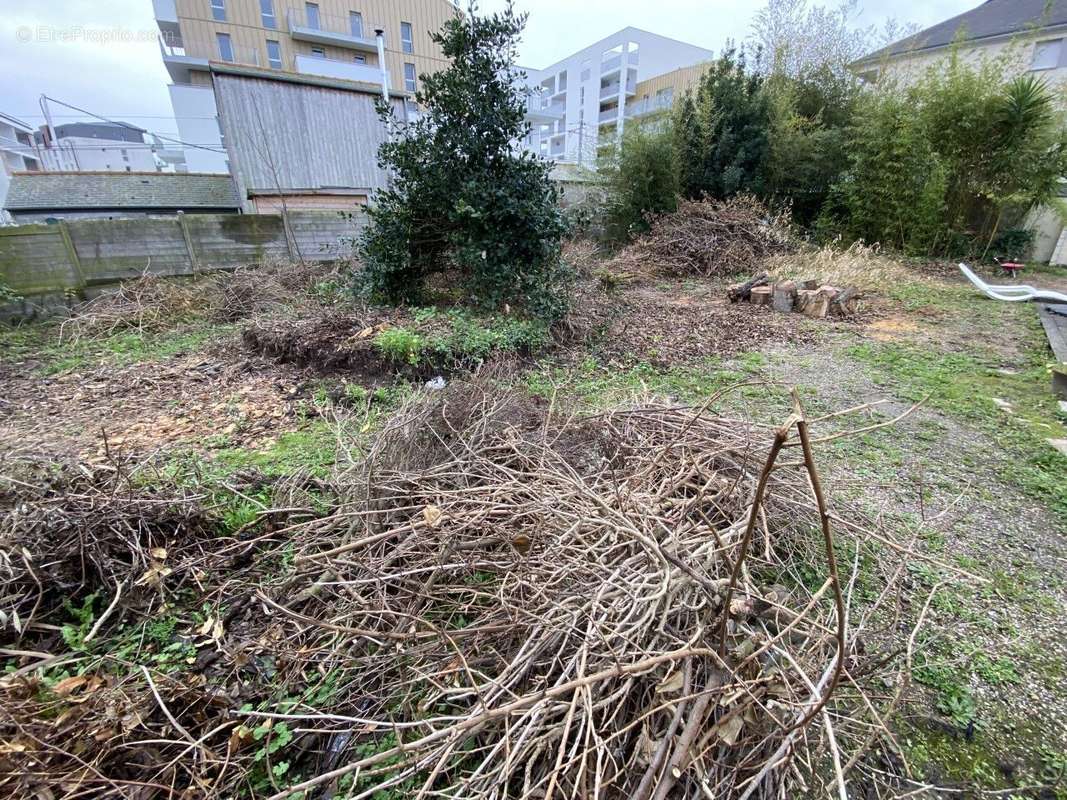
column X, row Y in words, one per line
column 72, row 254
column 194, row 264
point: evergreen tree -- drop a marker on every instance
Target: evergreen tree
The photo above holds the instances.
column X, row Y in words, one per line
column 463, row 198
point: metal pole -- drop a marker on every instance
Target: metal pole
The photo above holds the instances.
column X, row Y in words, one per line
column 379, row 35
column 50, row 141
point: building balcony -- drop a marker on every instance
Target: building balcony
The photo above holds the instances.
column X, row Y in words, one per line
column 612, row 89
column 178, row 64
column 166, row 14
column 538, row 114
column 333, row 68
column 610, row 115
column 326, row 29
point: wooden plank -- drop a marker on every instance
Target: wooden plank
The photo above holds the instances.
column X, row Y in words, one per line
column 1055, row 325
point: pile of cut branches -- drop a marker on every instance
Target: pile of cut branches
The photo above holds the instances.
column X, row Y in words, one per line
column 503, row 601
column 152, row 303
column 709, row 238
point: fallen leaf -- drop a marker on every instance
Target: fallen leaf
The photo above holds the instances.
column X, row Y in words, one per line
column 158, row 553
column 730, row 728
column 673, row 683
column 68, row 686
column 432, row 515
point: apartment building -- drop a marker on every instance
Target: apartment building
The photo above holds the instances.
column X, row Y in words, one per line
column 584, row 101
column 96, row 147
column 329, row 38
column 17, row 154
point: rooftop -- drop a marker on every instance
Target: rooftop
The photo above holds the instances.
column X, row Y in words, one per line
column 84, row 190
column 992, row 19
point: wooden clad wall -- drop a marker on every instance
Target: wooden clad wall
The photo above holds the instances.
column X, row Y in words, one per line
column 295, row 136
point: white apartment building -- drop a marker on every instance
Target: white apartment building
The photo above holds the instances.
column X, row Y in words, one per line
column 17, row 154
column 584, row 101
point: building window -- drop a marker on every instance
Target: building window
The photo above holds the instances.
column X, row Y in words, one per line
column 218, row 10
column 355, row 23
column 359, row 59
column 407, row 42
column 274, row 54
column 225, row 46
column 1047, row 54
column 312, row 12
column 409, row 77
column 266, row 11
column 318, row 52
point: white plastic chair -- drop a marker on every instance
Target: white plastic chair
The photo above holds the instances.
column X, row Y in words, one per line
column 1017, row 293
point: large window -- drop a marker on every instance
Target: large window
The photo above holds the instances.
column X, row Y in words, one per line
column 1047, row 54
column 218, row 10
column 407, row 42
column 266, row 13
column 409, row 77
column 355, row 23
column 312, row 12
column 274, row 54
column 225, row 46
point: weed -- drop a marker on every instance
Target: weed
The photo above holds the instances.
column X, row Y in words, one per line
column 400, row 345
column 74, row 633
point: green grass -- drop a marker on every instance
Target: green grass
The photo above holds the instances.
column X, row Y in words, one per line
column 963, row 386
column 594, row 386
column 42, row 343
column 458, row 338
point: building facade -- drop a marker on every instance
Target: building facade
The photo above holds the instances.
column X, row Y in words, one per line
column 96, row 147
column 1022, row 37
column 18, row 153
column 272, row 123
column 584, row 101
column 328, row 38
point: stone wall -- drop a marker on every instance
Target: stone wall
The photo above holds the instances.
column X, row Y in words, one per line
column 50, row 265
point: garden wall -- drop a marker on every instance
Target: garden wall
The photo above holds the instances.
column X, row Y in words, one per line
column 53, row 265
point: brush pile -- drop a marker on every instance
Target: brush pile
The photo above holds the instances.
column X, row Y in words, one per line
column 501, row 603
column 153, row 303
column 709, row 238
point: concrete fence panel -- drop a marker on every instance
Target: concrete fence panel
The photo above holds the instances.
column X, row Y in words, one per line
column 34, row 259
column 110, row 251
column 47, row 264
column 325, row 235
column 230, row 240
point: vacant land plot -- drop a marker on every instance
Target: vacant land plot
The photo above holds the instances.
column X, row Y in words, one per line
column 178, row 452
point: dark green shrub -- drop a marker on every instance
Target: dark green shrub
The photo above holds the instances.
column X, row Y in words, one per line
column 642, row 181
column 722, row 136
column 462, row 198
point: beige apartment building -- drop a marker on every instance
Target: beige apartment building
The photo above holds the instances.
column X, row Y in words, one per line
column 329, row 38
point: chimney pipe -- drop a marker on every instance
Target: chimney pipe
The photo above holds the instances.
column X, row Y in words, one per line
column 379, row 35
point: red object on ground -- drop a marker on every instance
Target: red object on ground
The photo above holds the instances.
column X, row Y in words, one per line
column 1011, row 268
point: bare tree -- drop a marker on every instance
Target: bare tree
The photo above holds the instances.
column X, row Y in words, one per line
column 794, row 37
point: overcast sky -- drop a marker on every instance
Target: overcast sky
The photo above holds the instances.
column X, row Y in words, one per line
column 103, row 56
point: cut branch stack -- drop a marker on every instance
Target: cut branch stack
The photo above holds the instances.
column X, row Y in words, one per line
column 505, row 603
column 709, row 238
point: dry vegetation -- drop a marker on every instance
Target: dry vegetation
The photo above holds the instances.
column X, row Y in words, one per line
column 709, row 238
column 500, row 596
column 518, row 585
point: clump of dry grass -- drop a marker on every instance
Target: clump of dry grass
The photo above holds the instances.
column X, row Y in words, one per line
column 151, row 303
column 867, row 267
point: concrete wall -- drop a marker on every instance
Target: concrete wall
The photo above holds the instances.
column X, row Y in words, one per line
column 74, row 259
